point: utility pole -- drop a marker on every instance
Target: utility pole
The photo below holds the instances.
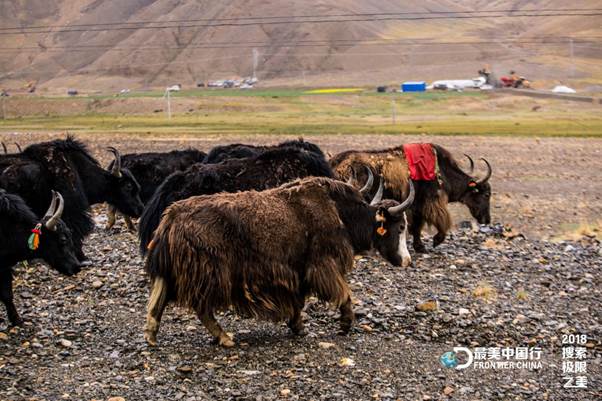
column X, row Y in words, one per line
column 168, row 99
column 255, row 60
column 572, row 53
column 393, row 107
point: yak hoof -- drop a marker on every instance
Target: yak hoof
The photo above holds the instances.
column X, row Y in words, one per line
column 300, row 332
column 406, row 262
column 420, row 249
column 226, row 342
column 437, row 240
column 151, row 338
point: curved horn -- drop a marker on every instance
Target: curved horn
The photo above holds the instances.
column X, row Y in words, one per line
column 52, row 206
column 471, row 164
column 18, row 147
column 397, row 210
column 489, row 171
column 116, row 170
column 4, row 147
column 369, row 182
column 53, row 221
column 379, row 194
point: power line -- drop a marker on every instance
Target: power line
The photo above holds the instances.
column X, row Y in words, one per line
column 262, row 18
column 300, row 43
column 310, row 21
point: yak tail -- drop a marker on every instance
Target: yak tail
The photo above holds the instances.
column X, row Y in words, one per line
column 436, row 213
column 165, row 195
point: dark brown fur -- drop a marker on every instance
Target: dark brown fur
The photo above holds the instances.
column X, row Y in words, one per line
column 260, row 253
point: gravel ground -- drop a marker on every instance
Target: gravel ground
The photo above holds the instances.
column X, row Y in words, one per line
column 82, row 339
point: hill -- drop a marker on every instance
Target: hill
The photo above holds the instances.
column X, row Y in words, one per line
column 99, row 45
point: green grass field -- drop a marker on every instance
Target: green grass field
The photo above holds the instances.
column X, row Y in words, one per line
column 296, row 112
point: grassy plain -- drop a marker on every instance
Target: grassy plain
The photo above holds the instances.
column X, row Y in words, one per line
column 303, row 112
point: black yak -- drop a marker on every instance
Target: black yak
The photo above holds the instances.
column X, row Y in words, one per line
column 269, row 169
column 150, row 169
column 67, row 166
column 24, row 237
column 262, row 253
column 431, row 201
column 239, row 150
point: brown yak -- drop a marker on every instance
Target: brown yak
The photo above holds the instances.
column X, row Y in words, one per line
column 262, row 253
column 430, row 205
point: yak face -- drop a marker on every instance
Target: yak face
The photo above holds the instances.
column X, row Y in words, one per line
column 57, row 248
column 389, row 234
column 125, row 193
column 477, row 199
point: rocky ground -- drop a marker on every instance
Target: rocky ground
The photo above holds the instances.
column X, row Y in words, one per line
column 82, row 339
column 83, row 336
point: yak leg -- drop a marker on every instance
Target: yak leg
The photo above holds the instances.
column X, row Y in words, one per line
column 6, row 296
column 296, row 322
column 442, row 223
column 112, row 216
column 416, row 230
column 347, row 316
column 215, row 329
column 154, row 310
column 130, row 224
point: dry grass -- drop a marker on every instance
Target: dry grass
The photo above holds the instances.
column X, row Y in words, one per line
column 522, row 294
column 484, row 291
column 584, row 229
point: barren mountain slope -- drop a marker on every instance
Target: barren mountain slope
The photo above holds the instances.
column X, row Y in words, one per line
column 102, row 57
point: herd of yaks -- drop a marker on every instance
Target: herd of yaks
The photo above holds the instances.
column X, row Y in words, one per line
column 254, row 229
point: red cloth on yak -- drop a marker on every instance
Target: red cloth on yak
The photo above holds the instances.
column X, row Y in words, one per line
column 421, row 161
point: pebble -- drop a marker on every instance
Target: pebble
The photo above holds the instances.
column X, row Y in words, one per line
column 65, row 343
column 326, row 345
column 3, row 336
column 97, row 284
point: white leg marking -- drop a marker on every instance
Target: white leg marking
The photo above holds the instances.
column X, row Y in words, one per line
column 403, row 252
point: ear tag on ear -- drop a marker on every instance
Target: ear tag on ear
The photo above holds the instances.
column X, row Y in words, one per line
column 381, row 230
column 472, row 184
column 33, row 242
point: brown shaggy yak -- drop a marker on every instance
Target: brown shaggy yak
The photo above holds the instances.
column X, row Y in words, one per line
column 262, row 253
column 432, row 197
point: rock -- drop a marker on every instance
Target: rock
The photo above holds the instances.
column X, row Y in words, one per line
column 97, row 284
column 3, row 336
column 184, row 369
column 346, row 362
column 447, row 390
column 65, row 343
column 326, row 345
column 428, row 306
column 116, row 399
column 463, row 311
column 285, row 392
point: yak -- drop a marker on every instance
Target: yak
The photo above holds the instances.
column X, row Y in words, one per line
column 263, row 253
column 24, row 237
column 267, row 170
column 67, row 166
column 239, row 150
column 150, row 169
column 432, row 197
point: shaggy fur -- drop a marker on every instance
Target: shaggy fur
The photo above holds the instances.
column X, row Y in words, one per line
column 16, row 222
column 67, row 167
column 150, row 170
column 266, row 170
column 238, row 150
column 261, row 253
column 430, row 204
